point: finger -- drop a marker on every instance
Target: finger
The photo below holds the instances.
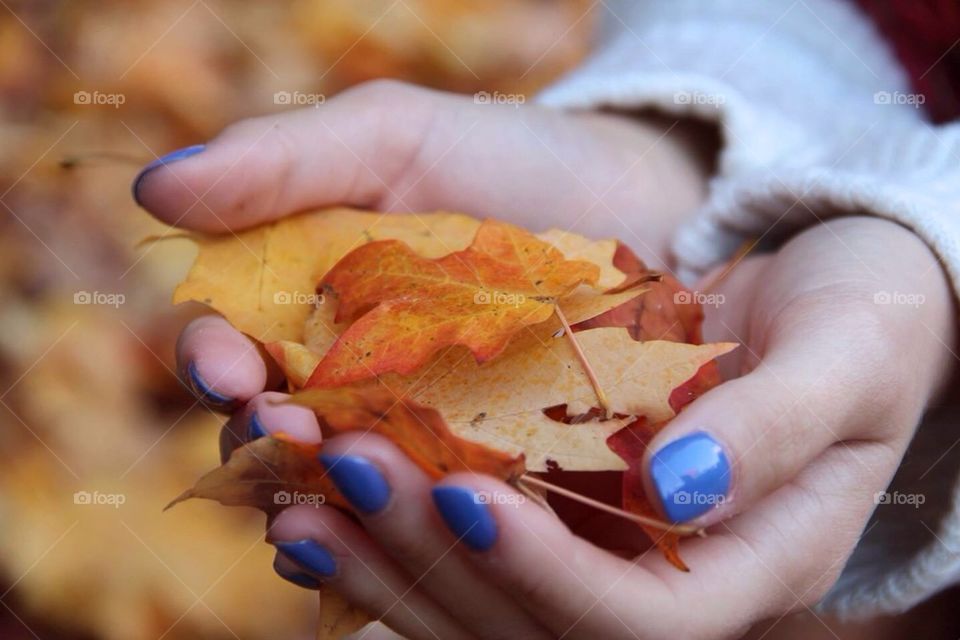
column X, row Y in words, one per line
column 269, row 413
column 392, row 497
column 319, row 544
column 576, row 589
column 346, row 151
column 749, row 436
column 220, row 365
column 784, row 553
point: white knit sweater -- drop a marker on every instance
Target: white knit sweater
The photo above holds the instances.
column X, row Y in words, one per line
column 816, row 120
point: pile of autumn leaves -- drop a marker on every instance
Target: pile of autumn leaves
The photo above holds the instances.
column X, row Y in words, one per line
column 452, row 338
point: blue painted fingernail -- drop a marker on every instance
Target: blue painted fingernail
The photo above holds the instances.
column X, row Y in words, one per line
column 298, row 578
column 256, row 429
column 359, row 480
column 467, row 517
column 203, row 390
column 309, row 555
column 173, row 156
column 692, row 475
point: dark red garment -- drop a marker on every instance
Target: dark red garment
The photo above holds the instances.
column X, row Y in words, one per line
column 925, row 36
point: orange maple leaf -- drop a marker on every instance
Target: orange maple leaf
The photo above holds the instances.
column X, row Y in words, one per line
column 420, row 432
column 405, row 307
column 258, row 473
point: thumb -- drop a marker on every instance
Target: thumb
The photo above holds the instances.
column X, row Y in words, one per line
column 346, row 151
column 749, row 436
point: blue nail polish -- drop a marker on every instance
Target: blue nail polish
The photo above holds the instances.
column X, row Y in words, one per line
column 300, row 579
column 256, row 430
column 359, row 480
column 309, row 555
column 692, row 475
column 468, row 518
column 203, row 390
column 173, row 156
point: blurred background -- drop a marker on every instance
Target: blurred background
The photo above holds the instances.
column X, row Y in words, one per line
column 88, row 398
column 96, row 433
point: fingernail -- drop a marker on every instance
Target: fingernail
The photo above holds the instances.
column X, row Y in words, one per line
column 692, row 475
column 359, row 480
column 309, row 555
column 171, row 157
column 298, row 578
column 203, row 390
column 255, row 429
column 468, row 518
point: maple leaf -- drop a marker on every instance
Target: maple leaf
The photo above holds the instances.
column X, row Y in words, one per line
column 263, row 280
column 405, row 307
column 667, row 311
column 630, row 443
column 419, row 431
column 533, row 399
column 256, row 473
column 260, row 473
column 500, row 403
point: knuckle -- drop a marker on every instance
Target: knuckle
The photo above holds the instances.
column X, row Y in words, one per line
column 874, row 370
column 857, row 367
column 539, row 587
column 411, row 549
column 252, row 126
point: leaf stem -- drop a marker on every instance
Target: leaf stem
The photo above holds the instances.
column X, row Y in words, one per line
column 681, row 529
column 591, row 374
column 742, row 252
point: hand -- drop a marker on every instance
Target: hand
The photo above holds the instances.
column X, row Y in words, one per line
column 843, row 348
column 395, row 147
column 811, row 343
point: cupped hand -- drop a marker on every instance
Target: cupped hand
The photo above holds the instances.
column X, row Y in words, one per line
column 845, row 335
